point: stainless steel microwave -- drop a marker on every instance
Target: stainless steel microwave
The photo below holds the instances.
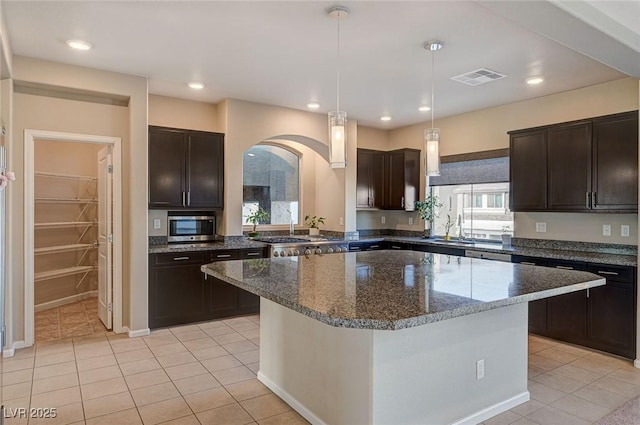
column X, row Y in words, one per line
column 191, row 228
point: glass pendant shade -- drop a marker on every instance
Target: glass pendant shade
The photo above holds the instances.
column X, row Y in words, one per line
column 432, row 151
column 338, row 142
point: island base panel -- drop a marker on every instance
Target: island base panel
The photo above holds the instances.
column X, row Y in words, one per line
column 424, row 374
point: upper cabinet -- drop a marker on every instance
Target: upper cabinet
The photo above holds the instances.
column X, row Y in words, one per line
column 581, row 166
column 186, row 168
column 388, row 180
column 370, row 179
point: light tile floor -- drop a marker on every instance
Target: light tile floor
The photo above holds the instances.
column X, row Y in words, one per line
column 206, row 374
column 70, row 320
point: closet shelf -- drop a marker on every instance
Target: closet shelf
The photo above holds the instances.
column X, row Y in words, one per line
column 56, row 225
column 64, row 176
column 66, row 200
column 64, row 248
column 70, row 271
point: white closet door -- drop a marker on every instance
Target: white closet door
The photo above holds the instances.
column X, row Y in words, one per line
column 105, row 281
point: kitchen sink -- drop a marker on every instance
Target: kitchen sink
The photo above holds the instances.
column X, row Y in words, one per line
column 454, row 241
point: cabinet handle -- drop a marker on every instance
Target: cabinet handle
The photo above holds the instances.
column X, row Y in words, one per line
column 189, row 198
column 594, row 199
column 180, row 258
column 374, row 246
column 396, row 247
column 587, row 199
column 183, row 196
column 587, row 292
column 607, row 273
column 528, row 263
column 354, row 248
column 373, row 201
column 223, row 255
column 564, row 267
column 252, row 254
column 402, row 202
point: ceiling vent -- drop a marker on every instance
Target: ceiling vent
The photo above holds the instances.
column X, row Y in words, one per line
column 477, row 77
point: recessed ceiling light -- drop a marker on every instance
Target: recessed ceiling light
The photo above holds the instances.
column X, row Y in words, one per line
column 534, row 80
column 195, row 85
column 251, row 154
column 385, row 118
column 79, row 44
column 313, row 105
column 424, row 108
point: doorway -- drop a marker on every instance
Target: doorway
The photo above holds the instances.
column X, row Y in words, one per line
column 73, row 228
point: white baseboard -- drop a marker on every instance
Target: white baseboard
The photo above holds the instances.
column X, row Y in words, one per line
column 472, row 419
column 636, row 363
column 10, row 352
column 494, row 410
column 139, row 332
column 66, row 300
column 290, row 400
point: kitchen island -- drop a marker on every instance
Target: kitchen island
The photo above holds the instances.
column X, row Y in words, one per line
column 396, row 337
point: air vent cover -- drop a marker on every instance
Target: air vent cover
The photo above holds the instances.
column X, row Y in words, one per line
column 479, row 76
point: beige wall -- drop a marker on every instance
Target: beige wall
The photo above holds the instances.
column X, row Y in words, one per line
column 41, row 113
column 248, row 123
column 487, row 129
column 180, row 113
column 373, row 138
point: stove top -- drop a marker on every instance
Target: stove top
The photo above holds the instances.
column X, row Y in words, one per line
column 287, row 246
column 282, row 239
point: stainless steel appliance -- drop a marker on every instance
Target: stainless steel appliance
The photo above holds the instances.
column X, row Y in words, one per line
column 291, row 246
column 194, row 227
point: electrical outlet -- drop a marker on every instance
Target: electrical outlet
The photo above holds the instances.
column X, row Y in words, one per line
column 383, row 219
column 606, row 230
column 410, row 221
column 156, row 223
column 480, row 369
column 541, row 227
column 624, row 230
column 341, row 221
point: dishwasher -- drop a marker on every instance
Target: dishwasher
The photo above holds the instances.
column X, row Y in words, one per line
column 487, row 255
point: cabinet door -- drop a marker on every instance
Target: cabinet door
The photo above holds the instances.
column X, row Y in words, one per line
column 205, row 170
column 224, row 299
column 363, row 179
column 394, row 179
column 537, row 308
column 615, row 162
column 569, row 164
column 167, row 186
column 566, row 314
column 411, row 178
column 528, row 170
column 177, row 293
column 376, row 180
column 611, row 318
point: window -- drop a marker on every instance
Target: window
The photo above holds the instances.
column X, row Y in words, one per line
column 271, row 180
column 488, row 217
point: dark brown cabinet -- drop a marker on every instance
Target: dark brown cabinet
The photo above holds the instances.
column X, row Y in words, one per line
column 370, row 179
column 587, row 165
column 402, row 179
column 603, row 318
column 388, row 180
column 528, row 170
column 186, row 168
column 179, row 292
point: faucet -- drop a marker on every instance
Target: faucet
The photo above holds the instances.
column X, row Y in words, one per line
column 460, row 233
column 291, row 227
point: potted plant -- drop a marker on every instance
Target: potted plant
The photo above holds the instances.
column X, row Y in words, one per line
column 447, row 227
column 428, row 211
column 258, row 216
column 313, row 223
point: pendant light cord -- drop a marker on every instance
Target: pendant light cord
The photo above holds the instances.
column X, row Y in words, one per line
column 433, row 61
column 338, row 73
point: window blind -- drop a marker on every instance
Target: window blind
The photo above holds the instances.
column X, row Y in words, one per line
column 490, row 170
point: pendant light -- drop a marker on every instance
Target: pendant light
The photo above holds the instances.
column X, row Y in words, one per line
column 432, row 135
column 338, row 118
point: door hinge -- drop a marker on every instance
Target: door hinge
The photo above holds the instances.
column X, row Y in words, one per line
column 110, row 307
column 3, row 332
column 110, row 238
column 110, row 169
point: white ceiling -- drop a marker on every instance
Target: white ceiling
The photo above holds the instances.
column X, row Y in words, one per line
column 284, row 53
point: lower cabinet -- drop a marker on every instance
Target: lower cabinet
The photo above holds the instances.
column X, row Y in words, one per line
column 179, row 292
column 603, row 318
column 366, row 246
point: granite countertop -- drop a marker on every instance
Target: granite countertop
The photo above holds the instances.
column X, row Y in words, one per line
column 395, row 289
column 232, row 244
column 558, row 253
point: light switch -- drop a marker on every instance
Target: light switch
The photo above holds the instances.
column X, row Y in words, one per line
column 410, row 221
column 383, row 219
column 624, row 230
column 156, row 223
column 341, row 221
column 541, row 227
column 606, row 230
